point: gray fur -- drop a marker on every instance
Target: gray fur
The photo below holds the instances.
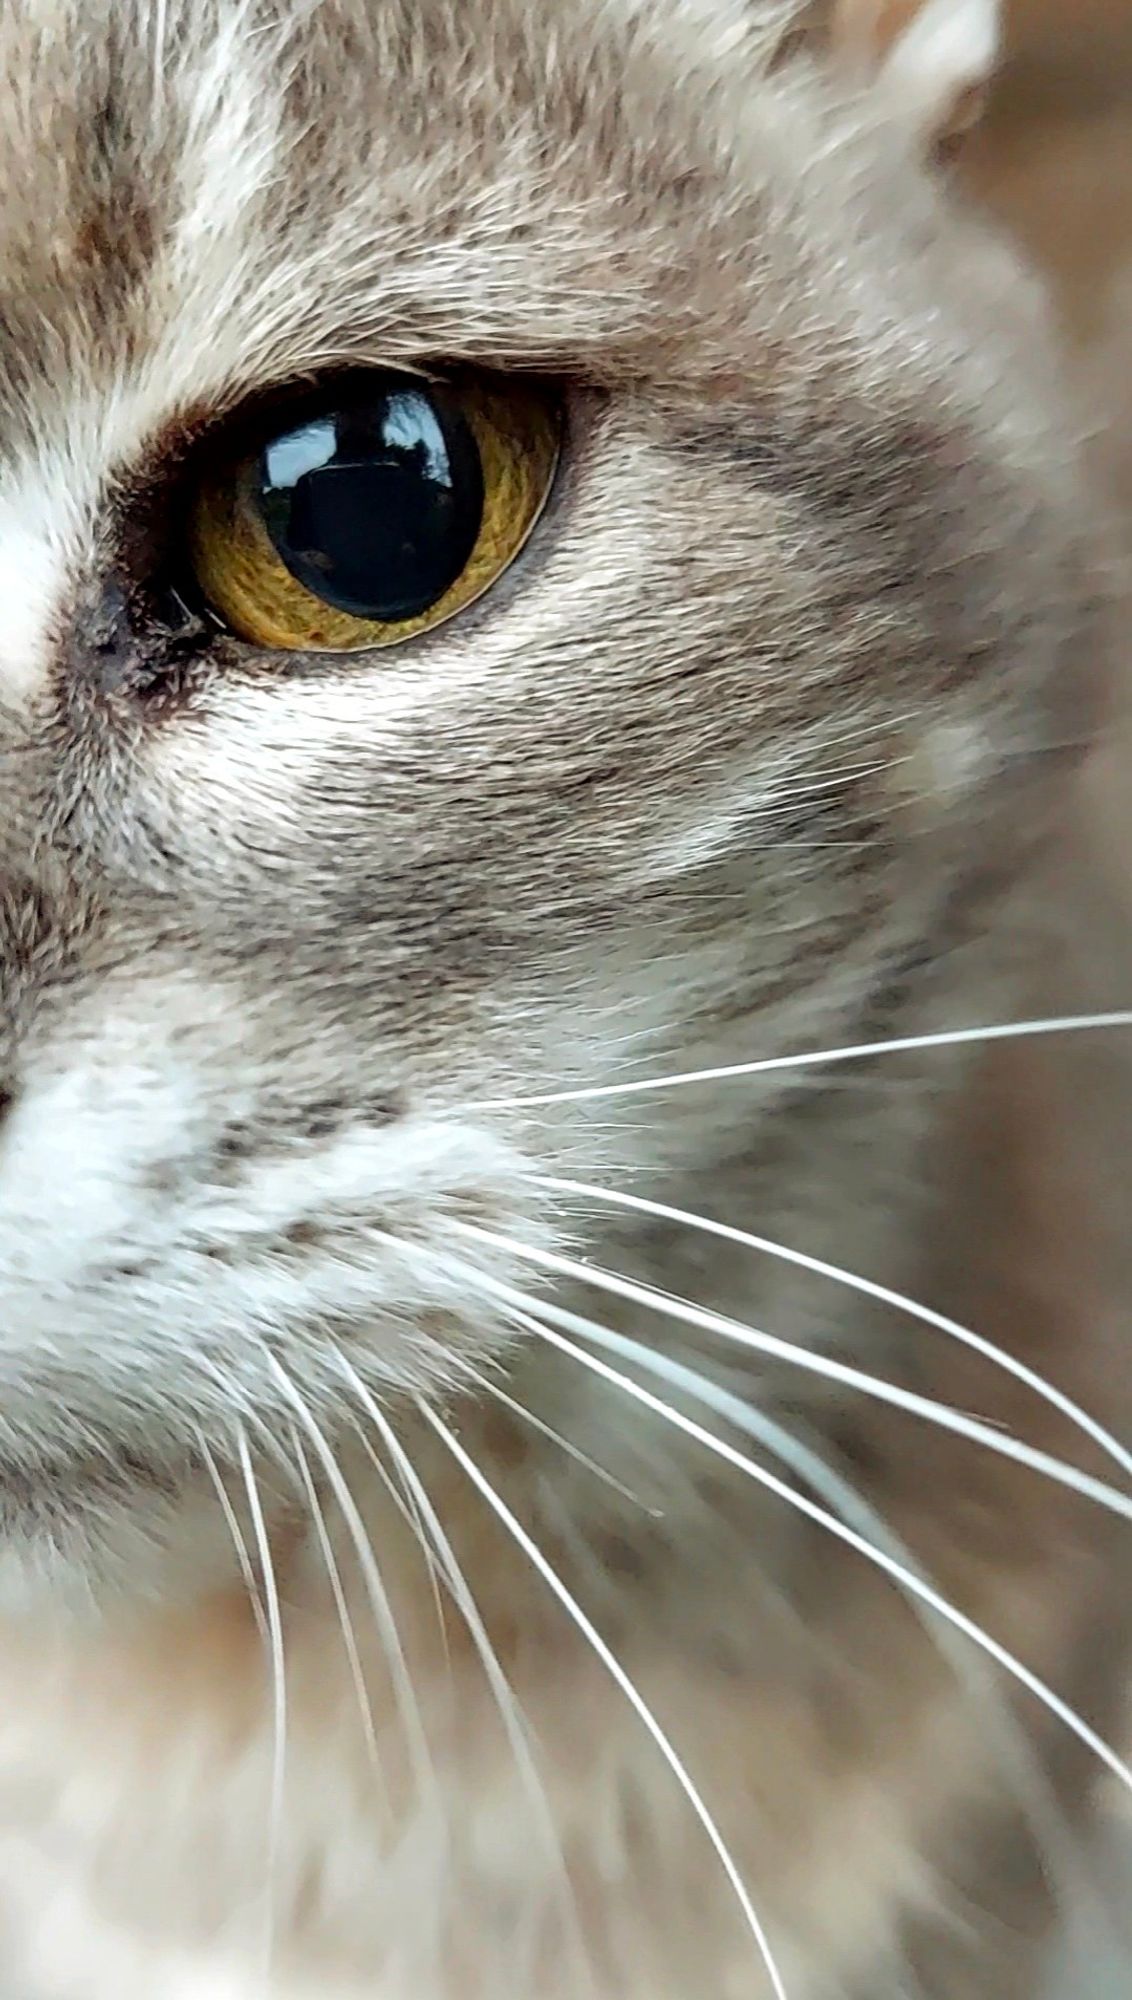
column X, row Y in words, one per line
column 743, row 755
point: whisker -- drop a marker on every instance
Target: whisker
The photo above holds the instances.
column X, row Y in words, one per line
column 1052, row 1833
column 405, row 1502
column 623, row 1680
column 247, row 1574
column 1074, row 1024
column 907, row 1579
column 515, row 1726
column 406, row 1508
column 1000, row 1358
column 823, row 1365
column 274, row 1622
column 573, row 1451
column 404, row 1692
column 342, row 1610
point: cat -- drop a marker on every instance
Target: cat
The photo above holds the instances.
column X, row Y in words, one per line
column 544, row 568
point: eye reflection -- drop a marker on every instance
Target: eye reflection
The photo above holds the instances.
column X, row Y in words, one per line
column 288, row 459
column 377, row 505
column 412, row 426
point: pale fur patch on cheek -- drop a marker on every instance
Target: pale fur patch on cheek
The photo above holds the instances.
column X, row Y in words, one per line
column 940, row 765
column 253, row 766
column 76, row 1146
column 29, row 590
column 48, row 509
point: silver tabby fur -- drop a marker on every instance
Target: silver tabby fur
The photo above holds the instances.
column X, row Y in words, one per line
column 746, row 755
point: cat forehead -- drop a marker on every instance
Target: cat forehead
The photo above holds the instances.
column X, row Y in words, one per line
column 203, row 198
column 228, row 190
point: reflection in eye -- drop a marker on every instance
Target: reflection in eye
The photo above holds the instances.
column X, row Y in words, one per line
column 387, row 521
column 412, row 425
column 288, row 458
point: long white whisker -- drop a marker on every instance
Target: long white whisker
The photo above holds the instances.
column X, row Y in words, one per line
column 1052, row 1833
column 1073, row 1024
column 406, row 1507
column 274, row 1621
column 515, row 1726
column 404, row 1692
column 499, row 1395
column 907, row 1579
column 806, row 1359
column 623, row 1680
column 900, row 1301
column 247, row 1574
column 342, row 1610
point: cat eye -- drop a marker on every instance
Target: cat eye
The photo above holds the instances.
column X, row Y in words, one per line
column 373, row 510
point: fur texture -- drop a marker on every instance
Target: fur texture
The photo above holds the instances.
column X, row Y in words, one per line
column 741, row 757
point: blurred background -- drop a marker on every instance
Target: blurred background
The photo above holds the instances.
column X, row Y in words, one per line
column 1054, row 160
column 1056, row 154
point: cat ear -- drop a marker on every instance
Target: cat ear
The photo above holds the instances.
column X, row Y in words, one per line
column 932, row 60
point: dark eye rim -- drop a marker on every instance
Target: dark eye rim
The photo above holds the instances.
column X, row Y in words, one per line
column 245, row 430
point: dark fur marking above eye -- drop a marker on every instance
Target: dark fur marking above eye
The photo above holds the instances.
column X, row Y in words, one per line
column 119, row 228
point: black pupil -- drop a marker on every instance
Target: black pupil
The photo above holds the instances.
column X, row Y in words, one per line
column 376, row 503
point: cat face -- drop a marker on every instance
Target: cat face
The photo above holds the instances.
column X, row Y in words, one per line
column 721, row 754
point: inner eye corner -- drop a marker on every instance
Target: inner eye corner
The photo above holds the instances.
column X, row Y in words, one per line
column 365, row 510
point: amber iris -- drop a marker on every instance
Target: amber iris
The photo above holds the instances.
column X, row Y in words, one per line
column 373, row 511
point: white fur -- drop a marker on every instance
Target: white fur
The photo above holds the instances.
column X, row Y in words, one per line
column 950, row 47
